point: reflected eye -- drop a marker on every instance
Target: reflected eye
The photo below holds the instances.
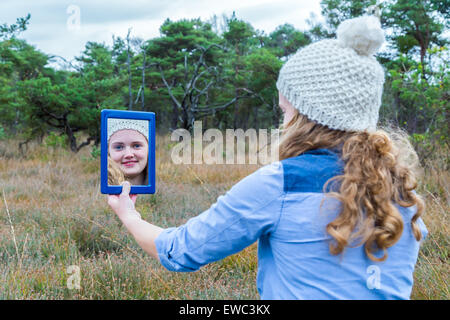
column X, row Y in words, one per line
column 137, row 145
column 118, row 147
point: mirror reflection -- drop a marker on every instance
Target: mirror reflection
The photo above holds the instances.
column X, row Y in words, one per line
column 127, row 151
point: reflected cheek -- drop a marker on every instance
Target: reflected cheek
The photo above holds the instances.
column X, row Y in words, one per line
column 115, row 156
column 288, row 115
column 286, row 119
column 142, row 155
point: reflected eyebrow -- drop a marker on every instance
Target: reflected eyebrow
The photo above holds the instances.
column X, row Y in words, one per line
column 140, row 143
column 122, row 143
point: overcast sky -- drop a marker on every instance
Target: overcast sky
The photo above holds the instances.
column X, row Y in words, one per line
column 62, row 27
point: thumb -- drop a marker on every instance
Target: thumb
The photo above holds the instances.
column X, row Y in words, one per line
column 125, row 197
column 126, row 187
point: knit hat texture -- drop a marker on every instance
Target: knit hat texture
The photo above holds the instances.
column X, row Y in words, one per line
column 116, row 124
column 338, row 82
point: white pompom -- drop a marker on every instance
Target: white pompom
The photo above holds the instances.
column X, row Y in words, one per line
column 363, row 34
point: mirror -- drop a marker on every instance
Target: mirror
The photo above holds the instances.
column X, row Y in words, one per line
column 128, row 150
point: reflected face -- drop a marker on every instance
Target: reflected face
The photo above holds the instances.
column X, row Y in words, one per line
column 287, row 108
column 129, row 149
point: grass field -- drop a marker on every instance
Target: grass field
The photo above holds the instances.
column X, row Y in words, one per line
column 53, row 216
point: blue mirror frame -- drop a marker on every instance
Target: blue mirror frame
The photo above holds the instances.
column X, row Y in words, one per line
column 122, row 114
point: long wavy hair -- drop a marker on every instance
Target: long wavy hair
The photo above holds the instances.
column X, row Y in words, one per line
column 115, row 175
column 379, row 170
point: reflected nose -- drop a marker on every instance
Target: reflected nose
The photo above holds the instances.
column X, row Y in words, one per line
column 128, row 153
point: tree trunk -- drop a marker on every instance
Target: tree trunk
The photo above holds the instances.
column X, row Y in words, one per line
column 185, row 118
column 143, row 82
column 255, row 118
column 245, row 122
column 423, row 52
column 174, row 116
column 236, row 113
column 236, row 104
column 275, row 113
column 130, row 94
column 71, row 137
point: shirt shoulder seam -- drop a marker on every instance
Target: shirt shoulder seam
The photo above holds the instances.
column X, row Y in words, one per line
column 281, row 211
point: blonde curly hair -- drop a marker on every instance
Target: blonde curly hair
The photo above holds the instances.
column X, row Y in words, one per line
column 380, row 169
column 115, row 175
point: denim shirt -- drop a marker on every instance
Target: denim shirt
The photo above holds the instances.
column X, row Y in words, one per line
column 279, row 206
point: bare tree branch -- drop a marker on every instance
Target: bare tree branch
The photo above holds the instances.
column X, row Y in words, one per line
column 169, row 88
column 191, row 92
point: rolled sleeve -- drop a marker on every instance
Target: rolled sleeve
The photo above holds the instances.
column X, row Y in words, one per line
column 248, row 210
column 164, row 247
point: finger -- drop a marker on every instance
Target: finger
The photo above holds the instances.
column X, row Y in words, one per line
column 109, row 200
column 126, row 187
column 112, row 200
column 133, row 198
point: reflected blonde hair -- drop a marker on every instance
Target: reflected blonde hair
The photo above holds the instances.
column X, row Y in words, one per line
column 115, row 175
column 379, row 170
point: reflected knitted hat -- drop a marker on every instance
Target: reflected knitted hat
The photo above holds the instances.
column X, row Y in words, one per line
column 338, row 82
column 116, row 124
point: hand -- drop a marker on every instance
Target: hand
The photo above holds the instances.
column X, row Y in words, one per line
column 123, row 204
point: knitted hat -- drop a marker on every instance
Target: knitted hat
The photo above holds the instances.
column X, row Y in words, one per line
column 338, row 82
column 115, row 124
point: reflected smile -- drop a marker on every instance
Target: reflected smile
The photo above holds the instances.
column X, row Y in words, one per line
column 129, row 163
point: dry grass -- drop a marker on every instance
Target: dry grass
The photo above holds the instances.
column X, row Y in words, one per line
column 54, row 216
column 60, row 219
column 433, row 267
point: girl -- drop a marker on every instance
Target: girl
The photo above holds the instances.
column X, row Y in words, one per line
column 127, row 151
column 337, row 216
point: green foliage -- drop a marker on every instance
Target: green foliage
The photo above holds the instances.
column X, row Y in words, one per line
column 95, row 152
column 11, row 30
column 188, row 70
column 239, row 35
column 423, row 103
column 55, row 141
column 19, row 62
column 416, row 91
column 2, row 133
column 416, row 25
column 336, row 11
column 286, row 40
column 226, row 78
